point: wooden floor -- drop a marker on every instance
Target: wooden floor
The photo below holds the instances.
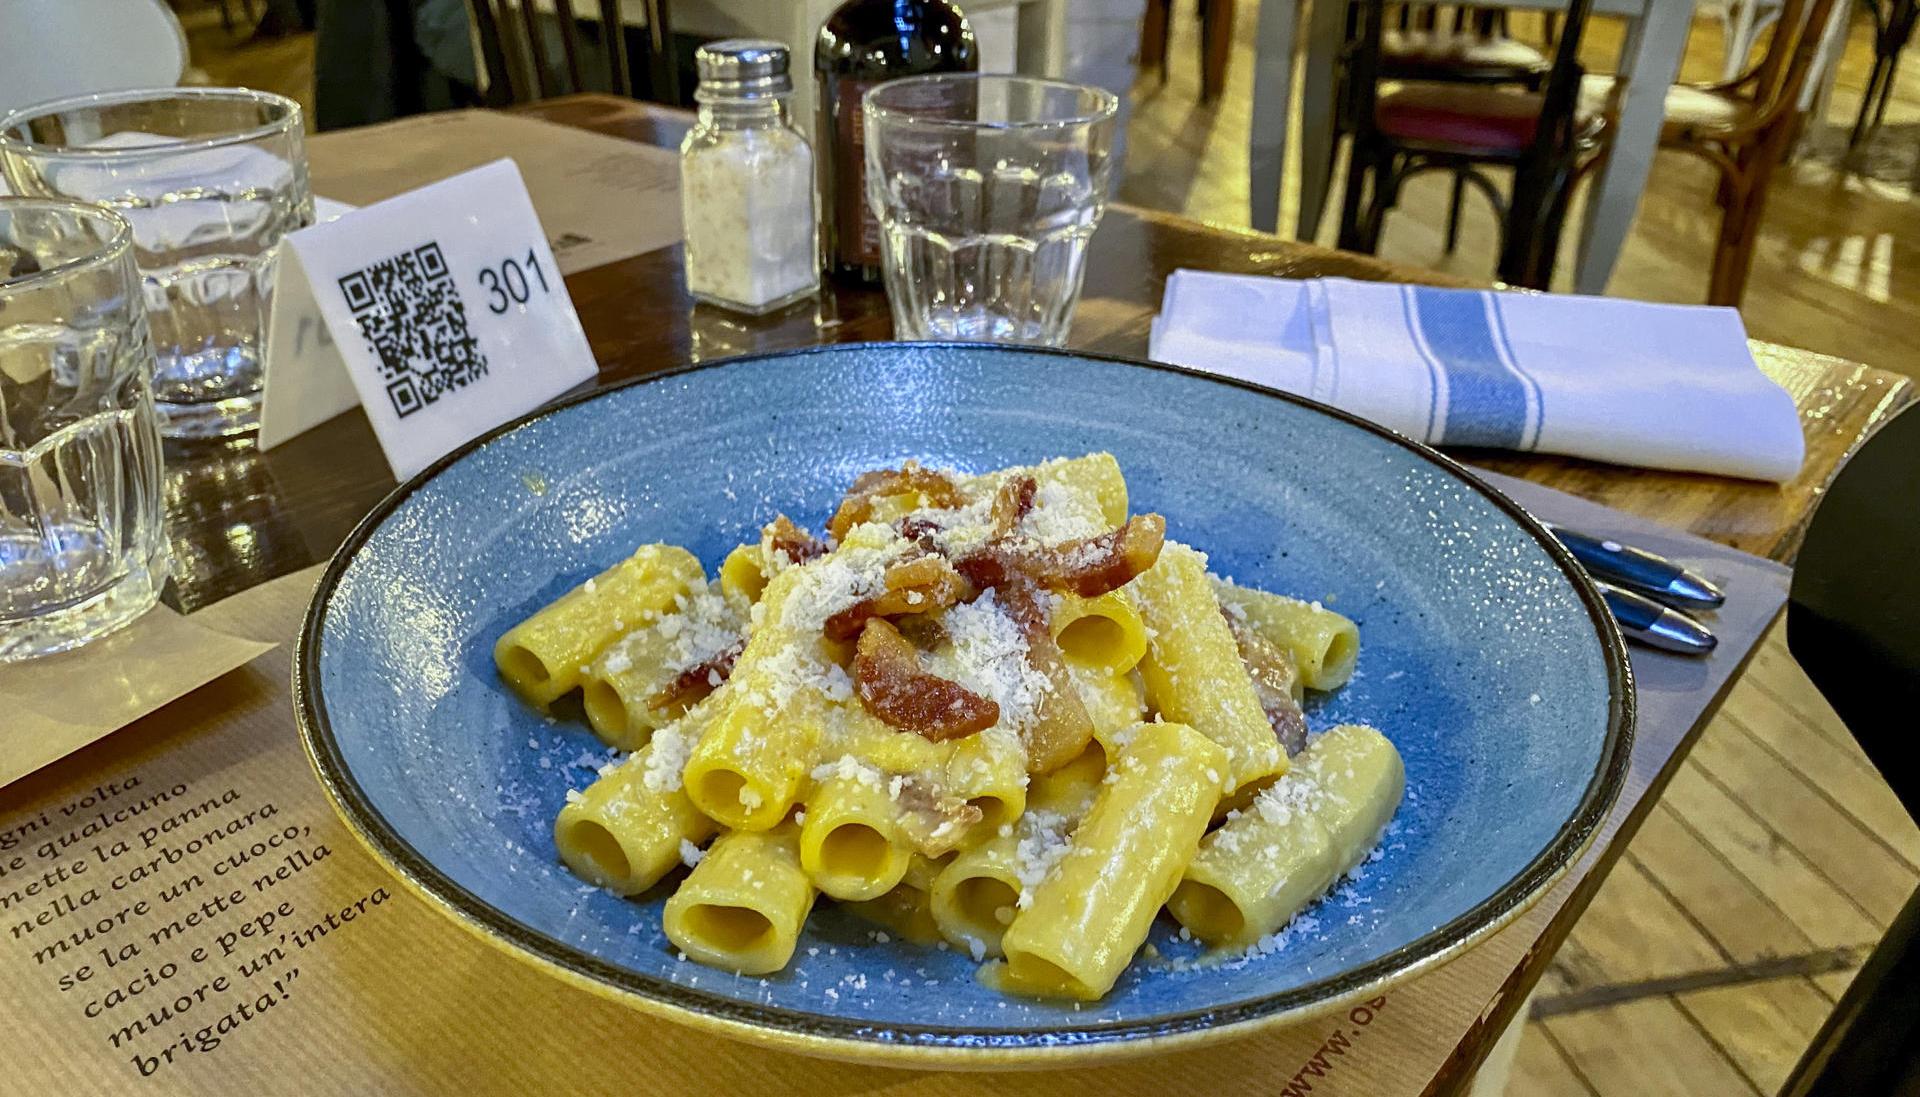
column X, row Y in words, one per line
column 1777, row 857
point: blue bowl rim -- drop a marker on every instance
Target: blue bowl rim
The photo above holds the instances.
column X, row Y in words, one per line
column 884, row 1040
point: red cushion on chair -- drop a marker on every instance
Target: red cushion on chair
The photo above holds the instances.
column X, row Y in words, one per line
column 1467, row 116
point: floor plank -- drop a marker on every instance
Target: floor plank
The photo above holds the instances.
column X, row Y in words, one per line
column 1834, row 984
column 1782, row 873
column 1853, row 787
column 1741, row 919
column 1541, row 1068
column 1762, row 1027
column 1632, row 933
column 1857, row 862
column 1647, row 1048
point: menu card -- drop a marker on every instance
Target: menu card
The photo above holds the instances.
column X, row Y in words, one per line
column 601, row 199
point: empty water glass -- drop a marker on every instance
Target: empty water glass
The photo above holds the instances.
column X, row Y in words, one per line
column 83, row 549
column 211, row 179
column 987, row 190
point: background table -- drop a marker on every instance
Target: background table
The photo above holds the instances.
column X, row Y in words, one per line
column 239, row 517
column 1649, row 62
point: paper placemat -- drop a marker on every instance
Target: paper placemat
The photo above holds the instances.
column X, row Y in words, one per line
column 184, row 914
column 600, row 199
column 57, row 704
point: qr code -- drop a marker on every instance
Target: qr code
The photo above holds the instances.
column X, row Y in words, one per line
column 410, row 312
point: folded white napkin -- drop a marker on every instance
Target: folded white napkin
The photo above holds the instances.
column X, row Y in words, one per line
column 1660, row 386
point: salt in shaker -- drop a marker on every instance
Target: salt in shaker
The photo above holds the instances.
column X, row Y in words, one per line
column 746, row 183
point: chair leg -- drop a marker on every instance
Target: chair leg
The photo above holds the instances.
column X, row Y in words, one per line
column 1531, row 228
column 1546, row 252
column 1216, row 47
column 1867, row 100
column 1386, row 194
column 1886, row 91
column 1358, row 161
column 1453, row 210
column 1732, row 265
column 1739, row 233
column 1155, row 30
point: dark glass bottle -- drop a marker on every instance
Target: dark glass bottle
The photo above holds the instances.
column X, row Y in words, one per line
column 863, row 43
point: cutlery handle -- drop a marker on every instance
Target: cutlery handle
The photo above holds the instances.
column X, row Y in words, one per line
column 1637, row 570
column 1648, row 622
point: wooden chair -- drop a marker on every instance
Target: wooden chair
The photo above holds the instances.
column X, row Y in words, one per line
column 1744, row 127
column 1457, row 44
column 521, row 67
column 1853, row 621
column 1401, row 129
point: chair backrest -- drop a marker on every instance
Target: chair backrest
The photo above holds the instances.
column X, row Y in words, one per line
column 1452, row 21
column 515, row 49
column 1853, row 616
column 1558, row 100
column 51, row 49
column 1791, row 55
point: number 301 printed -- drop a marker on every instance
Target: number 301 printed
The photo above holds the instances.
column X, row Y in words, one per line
column 512, row 282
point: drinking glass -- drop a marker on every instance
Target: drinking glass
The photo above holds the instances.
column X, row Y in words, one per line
column 987, row 190
column 83, row 549
column 211, row 179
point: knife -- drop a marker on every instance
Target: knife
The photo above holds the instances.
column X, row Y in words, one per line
column 1637, row 570
column 1655, row 625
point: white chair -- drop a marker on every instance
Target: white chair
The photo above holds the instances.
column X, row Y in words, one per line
column 1742, row 21
column 56, row 48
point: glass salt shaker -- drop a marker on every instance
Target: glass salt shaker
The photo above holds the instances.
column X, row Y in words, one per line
column 746, row 183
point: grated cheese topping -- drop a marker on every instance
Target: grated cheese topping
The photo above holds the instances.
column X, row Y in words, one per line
column 1043, row 844
column 987, row 653
column 706, row 625
column 1062, row 513
column 667, row 753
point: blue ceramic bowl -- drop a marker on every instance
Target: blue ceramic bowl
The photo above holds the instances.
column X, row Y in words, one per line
column 1485, row 656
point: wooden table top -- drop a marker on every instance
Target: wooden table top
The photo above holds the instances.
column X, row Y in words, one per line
column 239, row 517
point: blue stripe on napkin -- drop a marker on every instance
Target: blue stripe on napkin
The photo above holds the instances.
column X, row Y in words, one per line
column 1539, row 399
column 1486, row 399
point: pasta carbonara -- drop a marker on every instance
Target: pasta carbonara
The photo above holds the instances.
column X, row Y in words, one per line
column 999, row 711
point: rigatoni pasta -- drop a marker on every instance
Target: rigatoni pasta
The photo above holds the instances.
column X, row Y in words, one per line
column 544, row 657
column 744, row 903
column 1089, row 915
column 1324, row 644
column 1253, row 874
column 999, row 713
column 1192, row 668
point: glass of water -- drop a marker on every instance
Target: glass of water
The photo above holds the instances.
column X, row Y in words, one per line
column 987, row 190
column 83, row 549
column 211, row 179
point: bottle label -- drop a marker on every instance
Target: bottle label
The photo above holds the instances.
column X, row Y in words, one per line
column 859, row 229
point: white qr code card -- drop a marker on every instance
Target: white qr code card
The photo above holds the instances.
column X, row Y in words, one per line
column 444, row 307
